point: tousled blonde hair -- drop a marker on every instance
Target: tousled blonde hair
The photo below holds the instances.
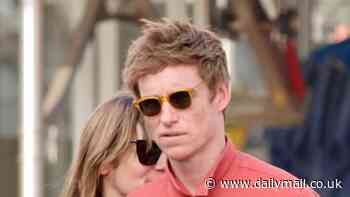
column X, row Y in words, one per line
column 105, row 137
column 172, row 43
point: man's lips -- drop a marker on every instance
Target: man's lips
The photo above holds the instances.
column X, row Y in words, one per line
column 170, row 139
column 171, row 134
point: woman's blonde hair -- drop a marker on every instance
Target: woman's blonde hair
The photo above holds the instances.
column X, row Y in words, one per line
column 105, row 137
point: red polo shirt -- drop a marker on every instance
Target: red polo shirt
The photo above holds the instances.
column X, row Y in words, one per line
column 235, row 174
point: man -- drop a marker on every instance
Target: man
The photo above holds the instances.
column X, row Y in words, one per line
column 179, row 74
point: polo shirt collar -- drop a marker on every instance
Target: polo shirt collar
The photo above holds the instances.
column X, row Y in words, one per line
column 218, row 171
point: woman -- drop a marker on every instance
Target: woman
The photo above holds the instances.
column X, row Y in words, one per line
column 112, row 160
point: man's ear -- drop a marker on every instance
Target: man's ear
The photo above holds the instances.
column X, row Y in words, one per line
column 222, row 95
column 105, row 169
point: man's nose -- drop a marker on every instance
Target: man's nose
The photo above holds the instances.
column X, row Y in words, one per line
column 168, row 115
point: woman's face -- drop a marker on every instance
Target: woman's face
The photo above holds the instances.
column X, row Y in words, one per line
column 130, row 173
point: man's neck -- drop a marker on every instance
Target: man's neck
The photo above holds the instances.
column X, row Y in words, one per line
column 192, row 172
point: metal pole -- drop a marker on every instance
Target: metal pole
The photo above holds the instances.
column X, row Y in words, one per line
column 30, row 143
column 304, row 37
column 201, row 13
column 176, row 10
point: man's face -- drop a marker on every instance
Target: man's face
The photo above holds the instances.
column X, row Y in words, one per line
column 181, row 133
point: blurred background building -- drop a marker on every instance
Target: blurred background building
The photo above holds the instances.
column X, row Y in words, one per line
column 83, row 44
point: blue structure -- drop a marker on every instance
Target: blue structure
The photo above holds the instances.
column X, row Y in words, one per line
column 319, row 149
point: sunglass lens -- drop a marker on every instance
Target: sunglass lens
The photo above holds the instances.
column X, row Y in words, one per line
column 150, row 156
column 150, row 107
column 180, row 99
